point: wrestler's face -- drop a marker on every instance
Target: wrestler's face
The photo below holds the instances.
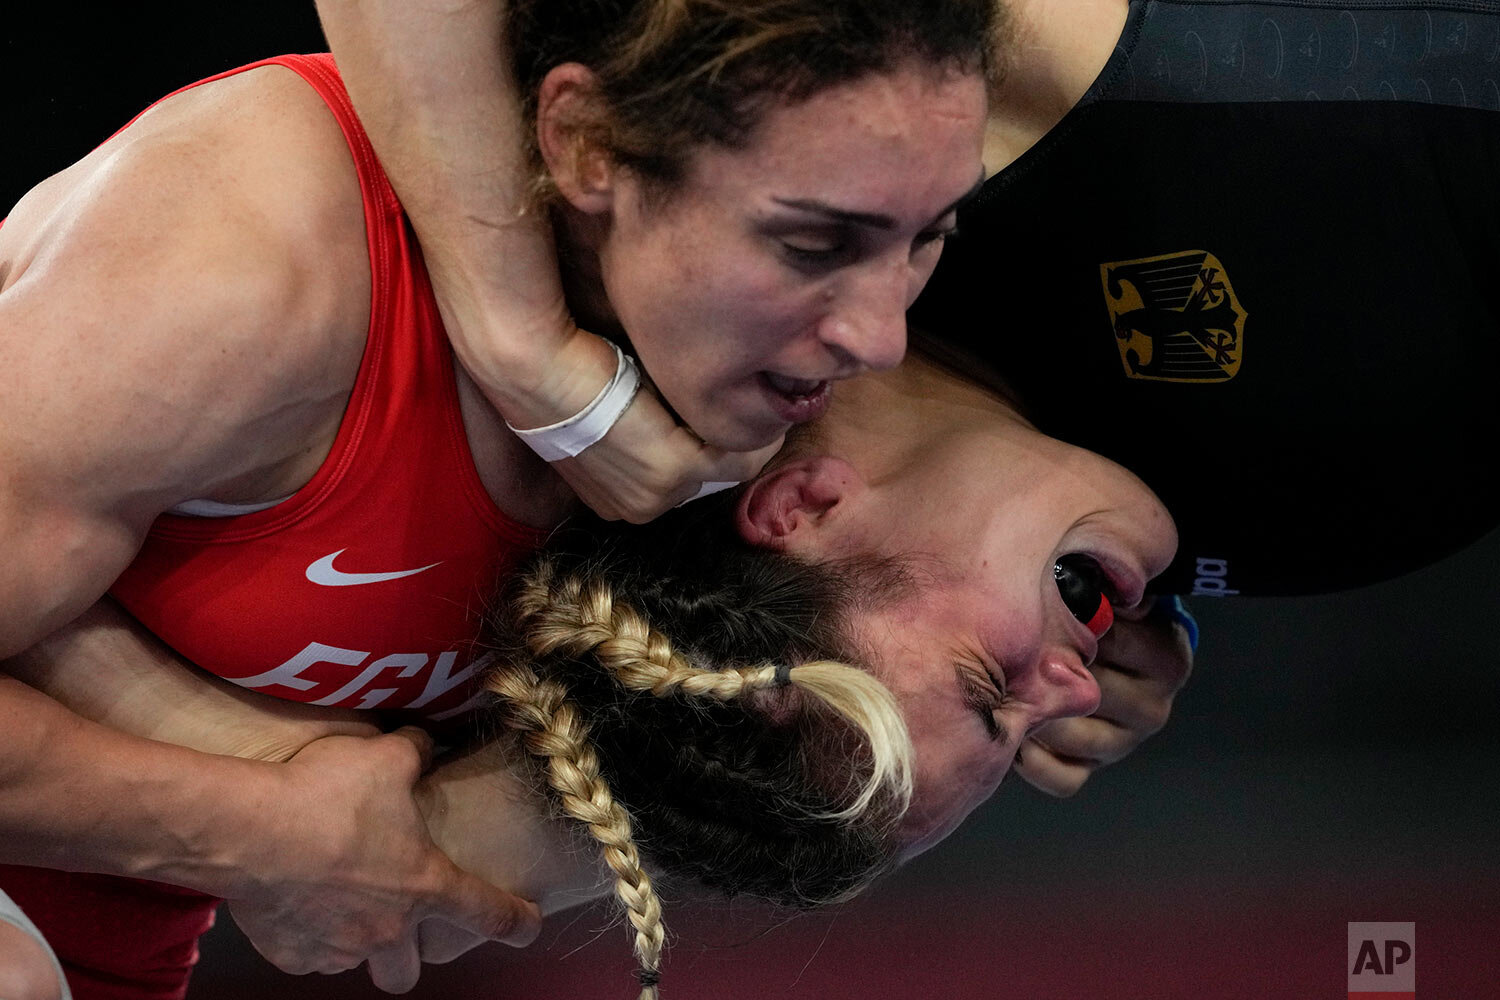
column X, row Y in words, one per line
column 983, row 646
column 779, row 268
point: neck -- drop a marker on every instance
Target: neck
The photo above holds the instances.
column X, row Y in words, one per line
column 493, row 824
column 577, row 237
column 1057, row 49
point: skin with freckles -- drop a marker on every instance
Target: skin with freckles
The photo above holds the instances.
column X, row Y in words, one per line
column 794, row 257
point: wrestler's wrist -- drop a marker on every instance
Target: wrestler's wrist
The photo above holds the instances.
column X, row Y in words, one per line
column 525, row 353
column 555, row 384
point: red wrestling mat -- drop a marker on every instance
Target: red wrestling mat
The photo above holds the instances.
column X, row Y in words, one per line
column 1183, row 943
column 1191, row 878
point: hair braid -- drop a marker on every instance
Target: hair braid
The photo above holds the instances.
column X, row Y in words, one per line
column 730, row 766
column 554, row 732
column 578, row 615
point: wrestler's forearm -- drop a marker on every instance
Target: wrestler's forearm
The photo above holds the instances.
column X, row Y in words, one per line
column 436, row 95
column 319, row 844
column 115, row 757
column 79, row 796
column 107, row 668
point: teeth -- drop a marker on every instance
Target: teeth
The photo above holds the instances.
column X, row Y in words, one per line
column 793, row 386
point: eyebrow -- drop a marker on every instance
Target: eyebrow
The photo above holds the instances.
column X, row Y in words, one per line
column 873, row 220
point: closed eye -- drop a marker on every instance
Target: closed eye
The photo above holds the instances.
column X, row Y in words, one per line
column 929, row 237
column 813, row 256
column 981, row 694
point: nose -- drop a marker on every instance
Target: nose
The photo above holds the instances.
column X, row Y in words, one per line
column 1058, row 687
column 865, row 325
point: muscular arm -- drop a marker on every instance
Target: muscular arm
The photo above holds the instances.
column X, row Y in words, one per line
column 434, row 91
column 109, row 670
column 166, row 333
column 148, row 321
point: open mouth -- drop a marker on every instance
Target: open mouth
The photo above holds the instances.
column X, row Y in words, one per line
column 794, row 387
column 797, row 400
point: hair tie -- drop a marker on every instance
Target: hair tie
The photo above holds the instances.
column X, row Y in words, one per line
column 783, row 674
column 570, row 437
column 648, row 978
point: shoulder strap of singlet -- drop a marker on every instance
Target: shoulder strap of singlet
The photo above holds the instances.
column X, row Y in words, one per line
column 384, row 224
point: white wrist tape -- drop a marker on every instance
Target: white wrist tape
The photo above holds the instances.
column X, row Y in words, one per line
column 570, row 437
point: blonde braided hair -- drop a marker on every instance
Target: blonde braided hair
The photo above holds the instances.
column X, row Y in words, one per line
column 554, row 733
column 575, row 616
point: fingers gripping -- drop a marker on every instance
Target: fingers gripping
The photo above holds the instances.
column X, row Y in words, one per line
column 440, row 942
column 476, row 907
column 736, row 466
column 397, row 968
column 1155, row 651
column 648, row 463
column 421, row 741
column 360, row 889
column 1046, row 772
column 1143, row 662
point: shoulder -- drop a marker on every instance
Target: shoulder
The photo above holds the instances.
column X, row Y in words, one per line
column 182, row 312
column 247, row 178
column 201, row 272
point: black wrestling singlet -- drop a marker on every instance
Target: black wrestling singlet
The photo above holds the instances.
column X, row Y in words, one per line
column 1259, row 265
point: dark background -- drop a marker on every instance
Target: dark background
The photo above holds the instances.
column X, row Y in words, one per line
column 1334, row 759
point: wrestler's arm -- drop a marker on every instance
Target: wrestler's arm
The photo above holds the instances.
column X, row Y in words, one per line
column 121, row 291
column 167, row 309
column 105, row 667
column 432, row 87
column 108, row 669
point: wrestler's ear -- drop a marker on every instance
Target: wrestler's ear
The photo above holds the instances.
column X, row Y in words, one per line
column 791, row 507
column 567, row 127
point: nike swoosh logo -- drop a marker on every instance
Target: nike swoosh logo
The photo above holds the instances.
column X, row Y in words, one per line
column 323, row 573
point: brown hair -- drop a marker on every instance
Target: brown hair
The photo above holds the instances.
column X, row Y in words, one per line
column 673, row 74
column 740, row 752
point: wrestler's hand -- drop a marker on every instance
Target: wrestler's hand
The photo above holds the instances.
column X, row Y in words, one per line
column 1143, row 661
column 648, row 463
column 349, row 871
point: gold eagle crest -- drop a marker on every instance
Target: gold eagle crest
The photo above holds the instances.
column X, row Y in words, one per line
column 1175, row 316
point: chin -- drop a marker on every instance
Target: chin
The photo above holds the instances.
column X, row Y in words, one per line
column 733, row 432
